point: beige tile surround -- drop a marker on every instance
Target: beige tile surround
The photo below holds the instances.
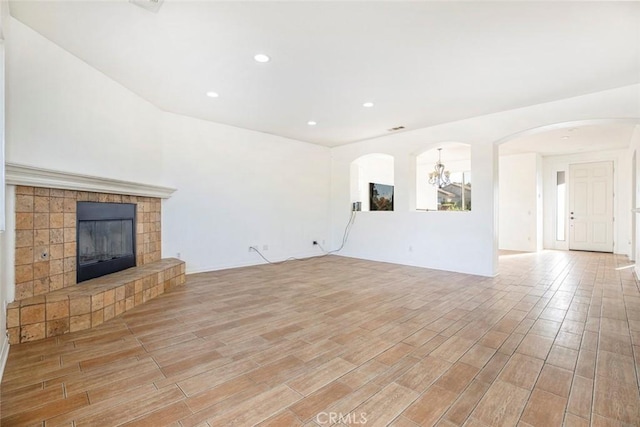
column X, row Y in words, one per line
column 45, row 258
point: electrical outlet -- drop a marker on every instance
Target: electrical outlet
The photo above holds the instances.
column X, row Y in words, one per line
column 178, row 255
column 265, row 247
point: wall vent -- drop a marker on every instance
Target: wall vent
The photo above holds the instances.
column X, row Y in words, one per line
column 150, row 5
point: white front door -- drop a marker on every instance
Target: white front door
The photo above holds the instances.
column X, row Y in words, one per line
column 591, row 207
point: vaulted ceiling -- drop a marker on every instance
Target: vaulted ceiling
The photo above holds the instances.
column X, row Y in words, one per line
column 419, row 63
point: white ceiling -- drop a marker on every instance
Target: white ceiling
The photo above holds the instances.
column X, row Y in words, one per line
column 421, row 63
column 568, row 140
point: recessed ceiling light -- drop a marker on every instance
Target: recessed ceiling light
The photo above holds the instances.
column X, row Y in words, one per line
column 311, row 123
column 368, row 104
column 261, row 57
column 565, row 137
column 212, row 94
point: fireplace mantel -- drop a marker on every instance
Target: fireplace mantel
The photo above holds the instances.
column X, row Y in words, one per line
column 17, row 174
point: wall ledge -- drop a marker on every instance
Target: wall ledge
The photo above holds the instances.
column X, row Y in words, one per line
column 17, row 174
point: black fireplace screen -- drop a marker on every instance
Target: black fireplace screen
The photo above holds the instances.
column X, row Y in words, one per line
column 106, row 238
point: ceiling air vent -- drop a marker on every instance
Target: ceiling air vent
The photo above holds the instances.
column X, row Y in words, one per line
column 150, row 5
column 397, row 128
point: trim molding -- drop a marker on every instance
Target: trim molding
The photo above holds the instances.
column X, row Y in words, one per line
column 17, row 174
column 225, row 266
column 4, row 355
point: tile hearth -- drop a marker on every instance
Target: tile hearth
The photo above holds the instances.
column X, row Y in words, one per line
column 92, row 302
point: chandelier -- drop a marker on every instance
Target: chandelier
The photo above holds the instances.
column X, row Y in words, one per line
column 439, row 177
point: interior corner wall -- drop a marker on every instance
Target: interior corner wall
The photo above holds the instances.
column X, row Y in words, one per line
column 436, row 239
column 235, row 187
column 238, row 188
column 518, row 202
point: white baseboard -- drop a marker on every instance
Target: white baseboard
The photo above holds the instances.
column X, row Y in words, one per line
column 260, row 261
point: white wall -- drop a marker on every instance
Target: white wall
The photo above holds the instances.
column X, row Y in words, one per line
column 458, row 241
column 621, row 188
column 238, row 188
column 63, row 114
column 235, row 187
column 518, row 200
column 635, row 147
column 443, row 240
column 6, row 286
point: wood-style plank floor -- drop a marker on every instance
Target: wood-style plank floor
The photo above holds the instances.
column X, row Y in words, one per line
column 553, row 340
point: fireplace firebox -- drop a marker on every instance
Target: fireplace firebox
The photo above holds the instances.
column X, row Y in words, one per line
column 106, row 238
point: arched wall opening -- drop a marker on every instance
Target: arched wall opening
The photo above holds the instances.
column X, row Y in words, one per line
column 534, row 187
column 454, row 194
column 375, row 168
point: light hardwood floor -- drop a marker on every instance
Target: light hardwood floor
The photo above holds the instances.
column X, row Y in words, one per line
column 553, row 340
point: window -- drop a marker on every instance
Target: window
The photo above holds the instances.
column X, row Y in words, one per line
column 561, row 208
column 447, row 187
column 370, row 169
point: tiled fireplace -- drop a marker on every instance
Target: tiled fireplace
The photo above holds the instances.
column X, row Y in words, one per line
column 46, row 236
column 48, row 299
